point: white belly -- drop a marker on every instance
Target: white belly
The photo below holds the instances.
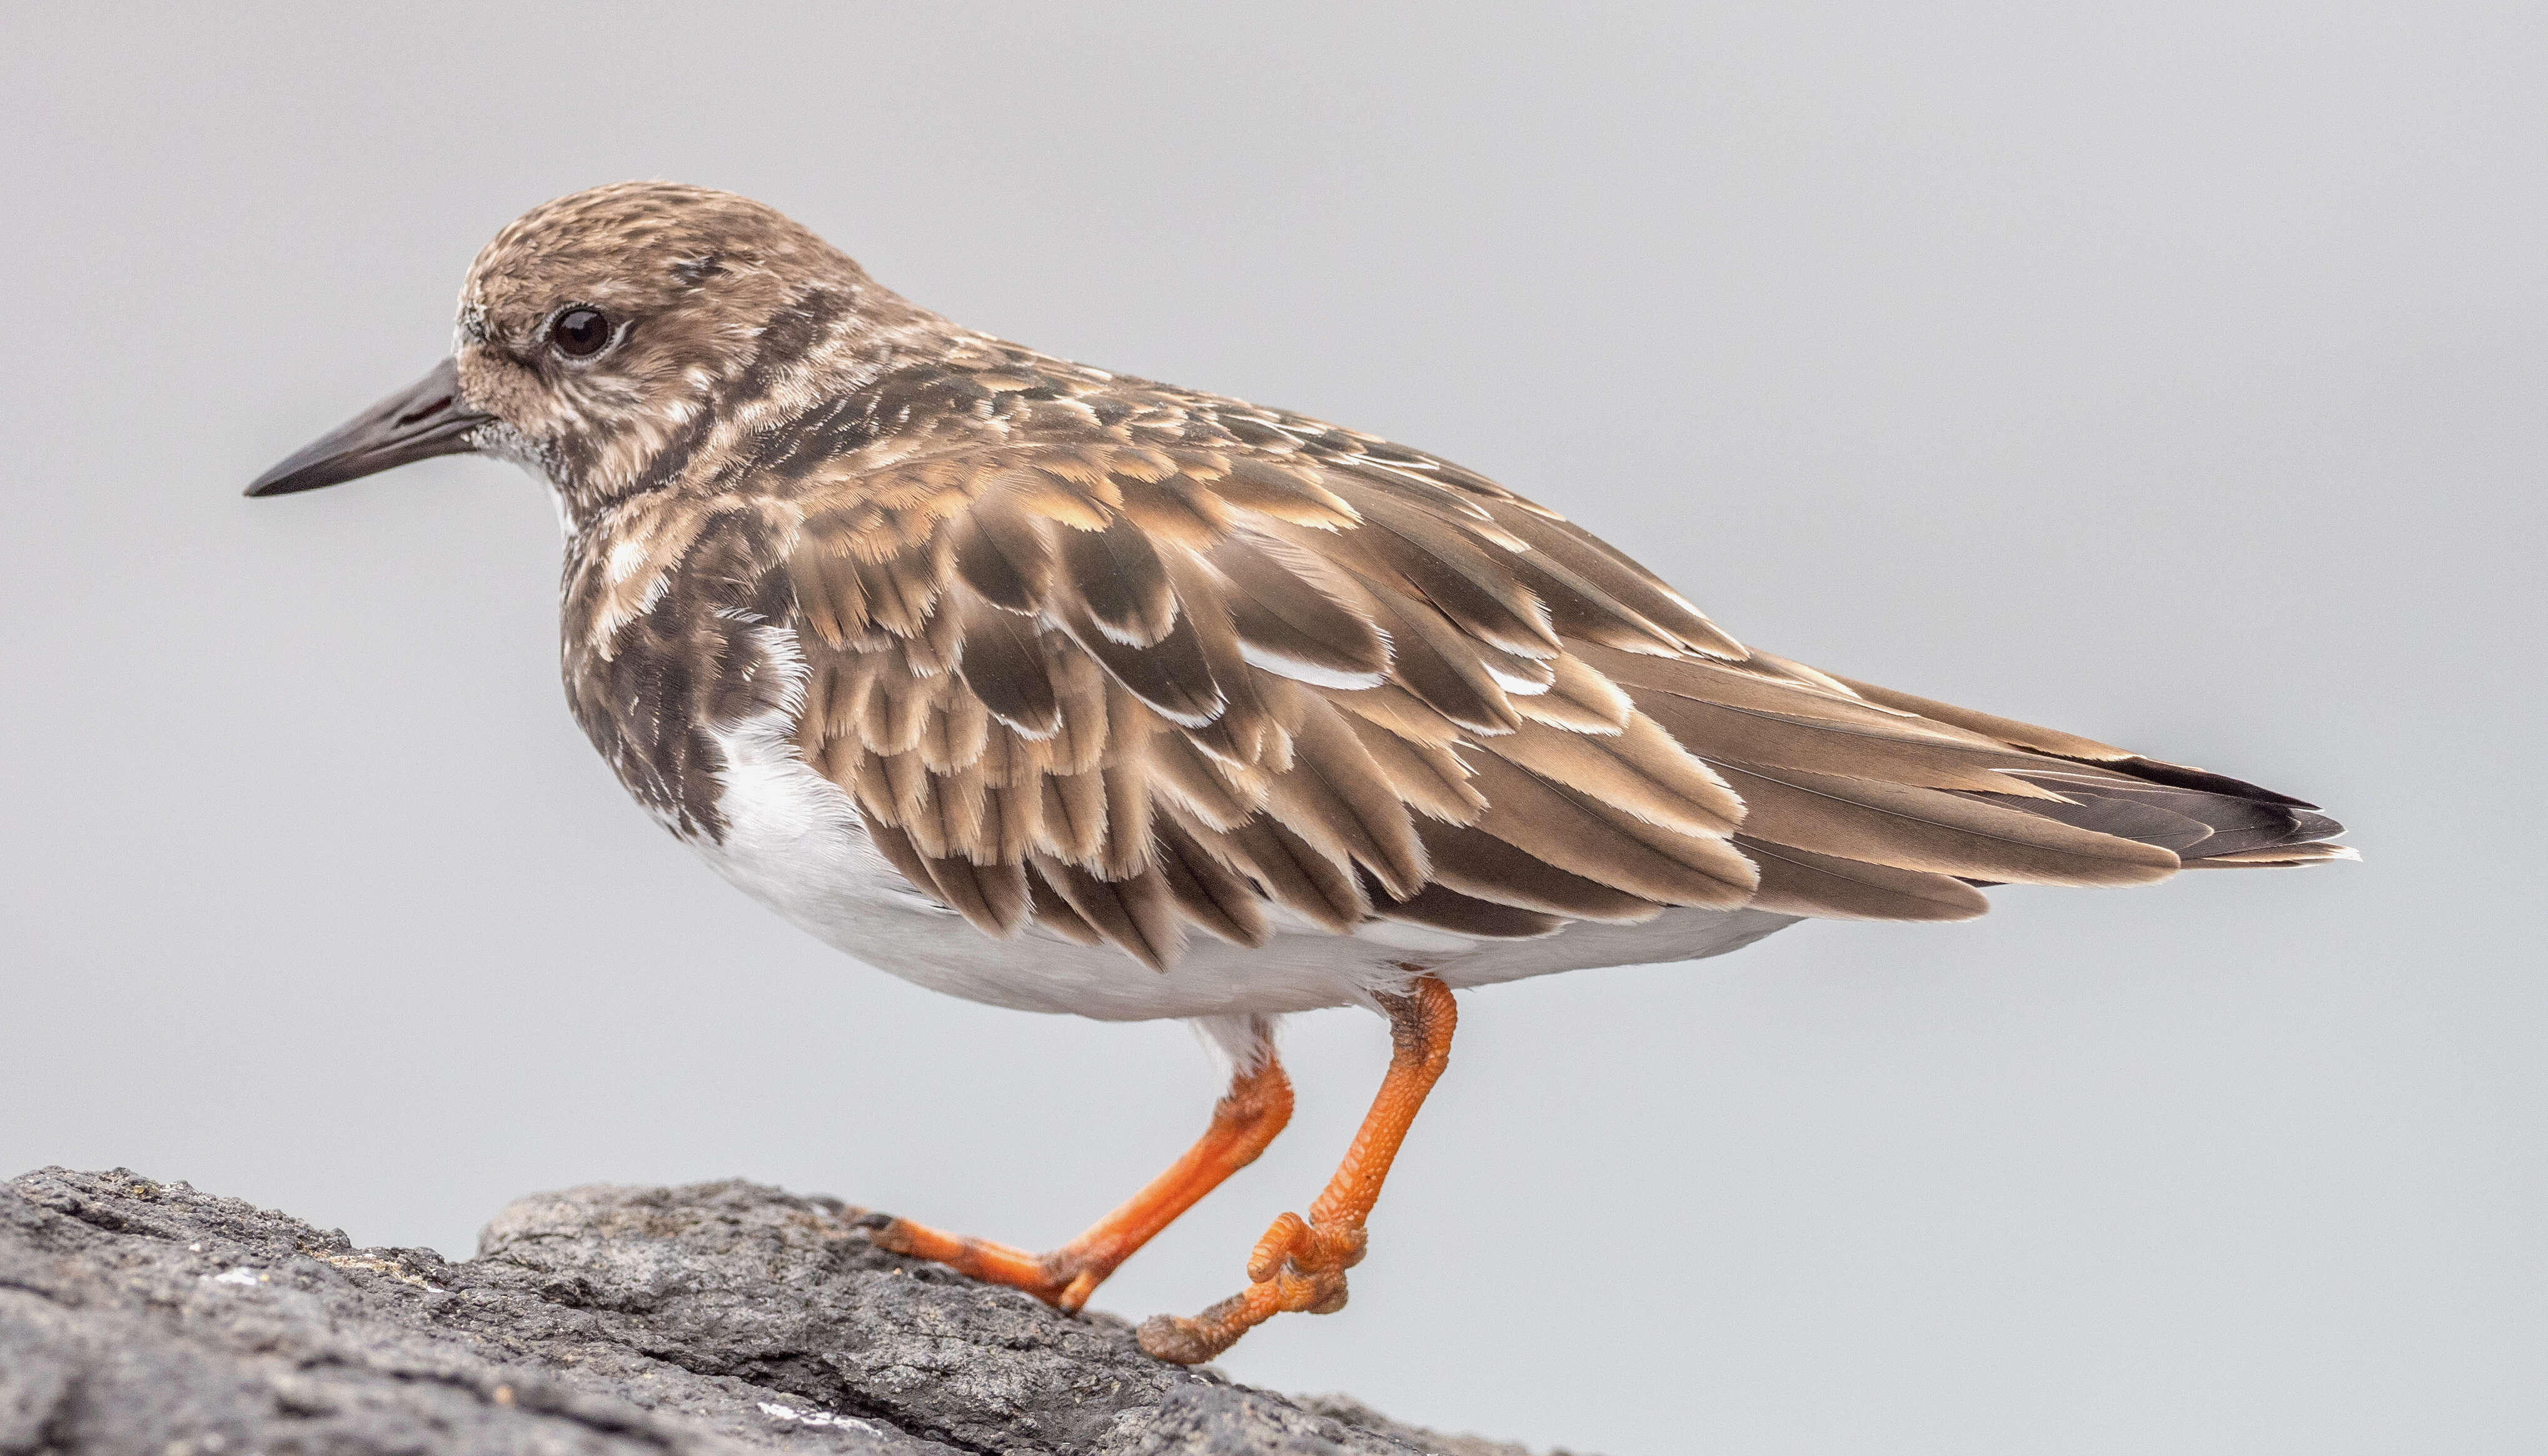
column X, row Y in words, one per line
column 794, row 841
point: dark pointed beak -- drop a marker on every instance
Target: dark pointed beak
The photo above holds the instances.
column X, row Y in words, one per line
column 418, row 422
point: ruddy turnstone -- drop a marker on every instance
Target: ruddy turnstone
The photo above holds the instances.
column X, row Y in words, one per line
column 1064, row 690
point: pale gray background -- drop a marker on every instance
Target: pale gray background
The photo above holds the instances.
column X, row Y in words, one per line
column 2172, row 374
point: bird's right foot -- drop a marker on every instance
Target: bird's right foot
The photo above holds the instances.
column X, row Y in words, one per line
column 1300, row 1264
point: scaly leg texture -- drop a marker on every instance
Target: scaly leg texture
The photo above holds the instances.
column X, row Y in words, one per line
column 1301, row 1263
column 1254, row 1108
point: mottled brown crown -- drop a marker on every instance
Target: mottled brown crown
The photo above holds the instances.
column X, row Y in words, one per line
column 636, row 229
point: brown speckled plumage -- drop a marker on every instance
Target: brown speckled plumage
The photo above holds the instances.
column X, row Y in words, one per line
column 1131, row 660
column 1061, row 689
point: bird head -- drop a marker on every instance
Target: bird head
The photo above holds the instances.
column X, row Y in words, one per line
column 605, row 336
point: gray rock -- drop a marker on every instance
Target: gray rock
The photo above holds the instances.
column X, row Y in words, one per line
column 147, row 1317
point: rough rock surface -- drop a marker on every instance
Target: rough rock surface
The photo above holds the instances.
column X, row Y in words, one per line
column 147, row 1317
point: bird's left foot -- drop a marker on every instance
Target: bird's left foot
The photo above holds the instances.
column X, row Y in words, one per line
column 1254, row 1108
column 1064, row 1278
column 1300, row 1264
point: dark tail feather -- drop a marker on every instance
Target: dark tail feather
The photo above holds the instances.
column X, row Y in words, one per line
column 2210, row 820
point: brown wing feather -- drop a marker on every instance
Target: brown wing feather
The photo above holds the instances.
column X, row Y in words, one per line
column 1479, row 864
column 1911, row 828
column 1205, row 662
column 2006, row 730
column 1802, row 882
column 1210, row 893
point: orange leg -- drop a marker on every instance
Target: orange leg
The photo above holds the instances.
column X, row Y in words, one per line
column 1254, row 1108
column 1301, row 1263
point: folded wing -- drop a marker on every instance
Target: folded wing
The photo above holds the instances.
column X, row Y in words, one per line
column 1242, row 671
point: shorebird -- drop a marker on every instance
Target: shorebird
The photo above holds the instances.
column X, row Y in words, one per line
column 1070, row 691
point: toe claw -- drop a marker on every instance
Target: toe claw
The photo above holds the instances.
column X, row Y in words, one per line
column 1074, row 1295
column 887, row 1233
column 1175, row 1340
column 1179, row 1340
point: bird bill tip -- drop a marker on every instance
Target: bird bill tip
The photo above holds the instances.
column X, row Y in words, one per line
column 425, row 419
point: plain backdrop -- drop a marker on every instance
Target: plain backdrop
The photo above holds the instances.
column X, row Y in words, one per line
column 2170, row 373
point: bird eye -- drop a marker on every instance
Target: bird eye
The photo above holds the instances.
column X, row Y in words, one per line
column 580, row 333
